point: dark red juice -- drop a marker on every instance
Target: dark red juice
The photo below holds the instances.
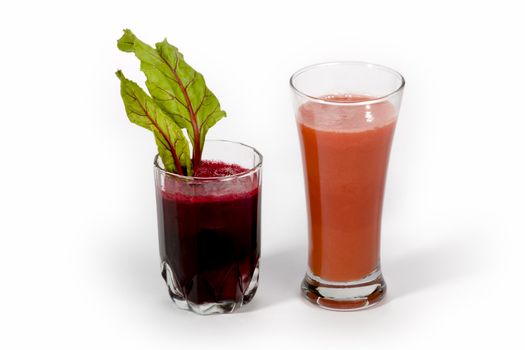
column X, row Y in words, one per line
column 211, row 239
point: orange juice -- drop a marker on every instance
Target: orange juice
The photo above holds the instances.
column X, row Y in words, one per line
column 345, row 151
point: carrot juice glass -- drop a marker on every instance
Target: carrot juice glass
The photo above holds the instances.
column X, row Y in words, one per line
column 346, row 115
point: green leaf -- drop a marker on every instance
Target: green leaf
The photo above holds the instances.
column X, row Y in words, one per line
column 142, row 110
column 177, row 88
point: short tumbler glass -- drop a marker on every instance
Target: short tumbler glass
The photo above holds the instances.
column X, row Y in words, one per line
column 346, row 114
column 209, row 231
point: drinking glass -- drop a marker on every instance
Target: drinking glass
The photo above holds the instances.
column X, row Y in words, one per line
column 209, row 231
column 346, row 114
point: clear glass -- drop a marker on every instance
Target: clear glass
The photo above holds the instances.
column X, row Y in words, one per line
column 209, row 231
column 346, row 114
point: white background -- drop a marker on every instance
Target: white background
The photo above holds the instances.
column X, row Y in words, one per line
column 79, row 259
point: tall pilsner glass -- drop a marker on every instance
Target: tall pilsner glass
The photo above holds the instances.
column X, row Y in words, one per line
column 346, row 115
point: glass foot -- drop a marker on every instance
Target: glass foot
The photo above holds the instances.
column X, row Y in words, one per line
column 344, row 296
column 218, row 307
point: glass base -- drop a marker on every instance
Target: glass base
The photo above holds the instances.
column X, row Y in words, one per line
column 220, row 307
column 344, row 296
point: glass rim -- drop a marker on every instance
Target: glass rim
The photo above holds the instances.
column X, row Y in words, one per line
column 250, row 171
column 372, row 100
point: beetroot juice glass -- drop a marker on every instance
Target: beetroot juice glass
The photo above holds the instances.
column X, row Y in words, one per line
column 209, row 231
